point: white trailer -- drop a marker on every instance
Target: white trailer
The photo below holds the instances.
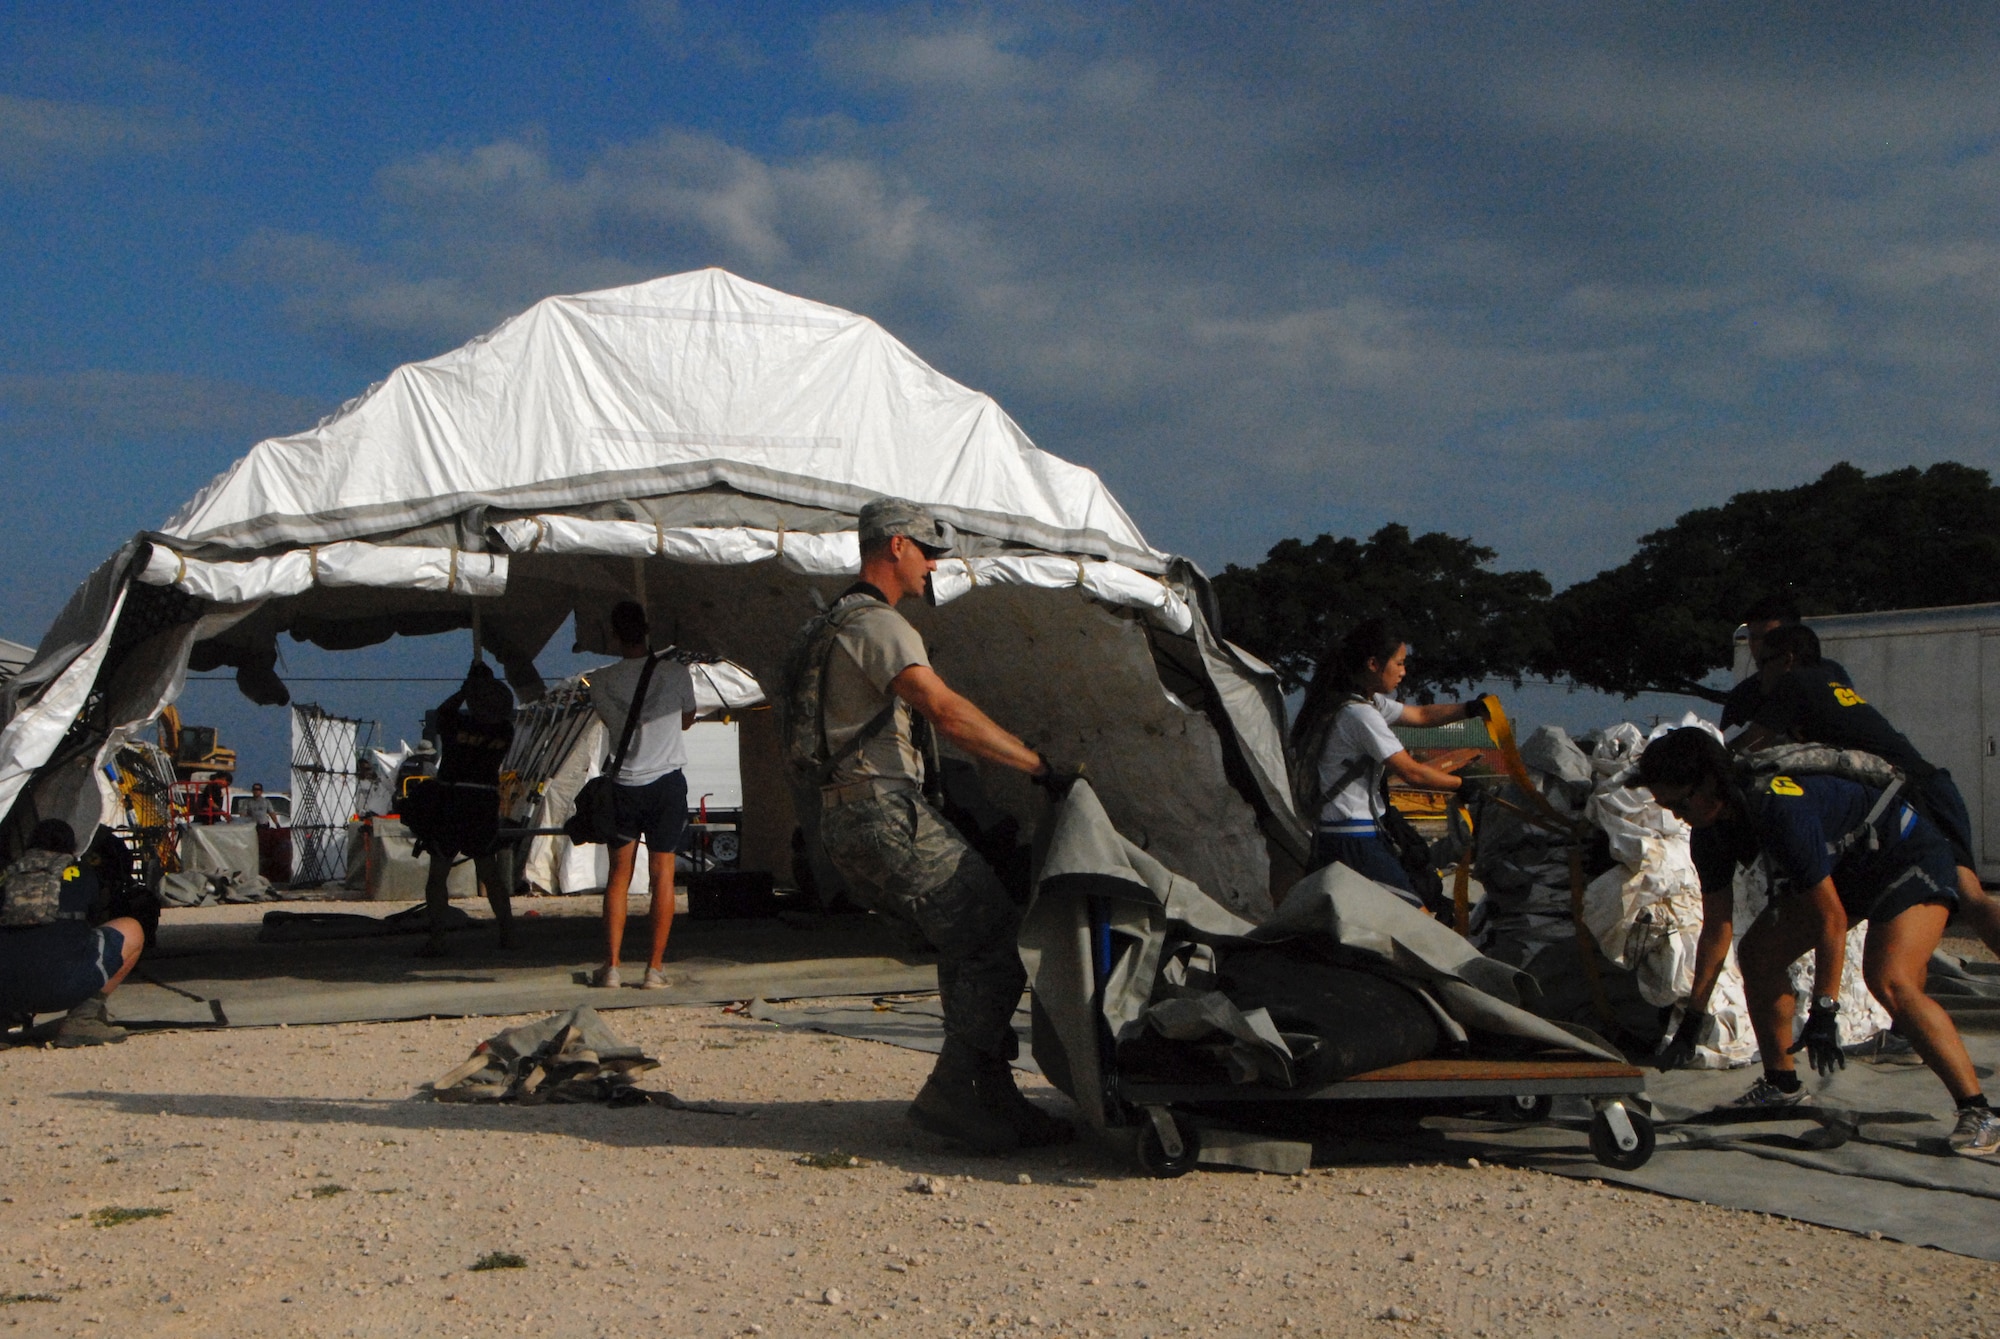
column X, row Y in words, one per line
column 1935, row 673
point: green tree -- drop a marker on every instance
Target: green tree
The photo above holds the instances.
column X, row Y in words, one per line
column 1464, row 622
column 1847, row 542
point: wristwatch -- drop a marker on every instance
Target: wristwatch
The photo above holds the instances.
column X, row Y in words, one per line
column 1825, row 1004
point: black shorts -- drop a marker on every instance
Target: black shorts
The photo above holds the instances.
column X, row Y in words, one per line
column 46, row 969
column 1936, row 797
column 656, row 812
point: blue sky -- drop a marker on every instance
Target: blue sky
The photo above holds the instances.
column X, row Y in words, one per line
column 1544, row 275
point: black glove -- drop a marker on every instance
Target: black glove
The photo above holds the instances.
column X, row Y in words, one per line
column 1471, row 789
column 1679, row 1051
column 1477, row 710
column 1820, row 1038
column 1056, row 778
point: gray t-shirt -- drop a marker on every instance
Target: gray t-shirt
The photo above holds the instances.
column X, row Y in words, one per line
column 873, row 647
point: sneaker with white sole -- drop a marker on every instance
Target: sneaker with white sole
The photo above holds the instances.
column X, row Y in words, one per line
column 1765, row 1095
column 606, row 977
column 655, row 980
column 1977, row 1134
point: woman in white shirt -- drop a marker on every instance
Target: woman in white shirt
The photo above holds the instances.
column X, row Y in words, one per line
column 1359, row 748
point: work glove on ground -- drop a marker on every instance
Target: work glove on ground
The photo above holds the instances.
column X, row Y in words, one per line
column 1679, row 1051
column 1820, row 1039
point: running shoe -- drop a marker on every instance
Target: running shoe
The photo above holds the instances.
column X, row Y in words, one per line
column 655, row 980
column 1977, row 1134
column 1765, row 1095
column 606, row 977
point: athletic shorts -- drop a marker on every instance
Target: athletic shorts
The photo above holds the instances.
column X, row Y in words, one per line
column 1936, row 797
column 1929, row 876
column 656, row 812
column 48, row 969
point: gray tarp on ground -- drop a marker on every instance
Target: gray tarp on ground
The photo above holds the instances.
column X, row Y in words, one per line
column 1147, row 904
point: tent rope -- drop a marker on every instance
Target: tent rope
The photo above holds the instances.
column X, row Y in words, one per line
column 180, row 568
column 781, row 543
column 312, row 563
column 659, row 539
column 451, row 573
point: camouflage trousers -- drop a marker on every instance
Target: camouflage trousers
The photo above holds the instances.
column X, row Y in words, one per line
column 900, row 858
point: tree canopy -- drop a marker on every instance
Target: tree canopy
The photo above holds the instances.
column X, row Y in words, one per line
column 1848, row 542
column 1845, row 543
column 1464, row 623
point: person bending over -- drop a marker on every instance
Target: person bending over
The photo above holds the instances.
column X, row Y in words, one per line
column 51, row 957
column 1808, row 699
column 1838, row 854
column 475, row 727
column 649, row 793
column 1360, row 748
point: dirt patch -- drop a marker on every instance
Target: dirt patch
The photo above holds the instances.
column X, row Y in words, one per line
column 749, row 1218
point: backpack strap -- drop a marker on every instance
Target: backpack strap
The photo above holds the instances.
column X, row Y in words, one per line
column 1357, row 766
column 836, row 618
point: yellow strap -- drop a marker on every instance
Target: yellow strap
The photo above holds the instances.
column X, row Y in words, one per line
column 1578, row 832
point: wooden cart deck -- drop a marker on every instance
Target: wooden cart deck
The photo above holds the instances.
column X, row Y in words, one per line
column 1437, row 1078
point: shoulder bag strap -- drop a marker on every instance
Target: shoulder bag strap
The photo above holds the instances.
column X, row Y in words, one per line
column 632, row 716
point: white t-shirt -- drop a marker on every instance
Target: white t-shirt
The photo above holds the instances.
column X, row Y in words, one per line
column 1360, row 730
column 658, row 746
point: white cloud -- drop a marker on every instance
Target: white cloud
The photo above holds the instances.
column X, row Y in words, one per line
column 1309, row 269
column 44, row 135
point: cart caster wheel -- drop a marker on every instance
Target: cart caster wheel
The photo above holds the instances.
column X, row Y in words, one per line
column 1153, row 1155
column 1607, row 1146
column 1527, row 1110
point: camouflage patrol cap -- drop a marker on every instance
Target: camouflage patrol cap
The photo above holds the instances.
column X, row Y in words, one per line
column 887, row 516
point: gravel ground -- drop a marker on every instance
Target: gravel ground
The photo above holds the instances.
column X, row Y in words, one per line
column 309, row 1189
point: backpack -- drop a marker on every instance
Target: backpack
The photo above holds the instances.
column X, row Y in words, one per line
column 31, row 888
column 803, row 686
column 1769, row 772
column 1819, row 760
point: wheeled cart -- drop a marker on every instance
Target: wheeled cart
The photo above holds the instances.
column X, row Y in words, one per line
column 1621, row 1126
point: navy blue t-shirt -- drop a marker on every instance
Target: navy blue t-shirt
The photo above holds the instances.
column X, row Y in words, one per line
column 1810, row 828
column 1818, row 706
column 1740, row 707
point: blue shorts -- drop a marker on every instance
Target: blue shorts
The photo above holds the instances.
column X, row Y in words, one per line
column 656, row 812
column 47, row 969
column 1367, row 856
column 1921, row 871
column 1936, row 797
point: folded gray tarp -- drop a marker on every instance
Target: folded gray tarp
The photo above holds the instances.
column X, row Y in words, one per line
column 1149, row 907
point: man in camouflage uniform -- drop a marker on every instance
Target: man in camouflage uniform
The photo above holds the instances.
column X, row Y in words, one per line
column 898, row 854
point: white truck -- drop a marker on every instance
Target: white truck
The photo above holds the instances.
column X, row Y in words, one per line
column 1935, row 673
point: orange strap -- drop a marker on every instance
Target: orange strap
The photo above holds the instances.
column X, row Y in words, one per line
column 1575, row 829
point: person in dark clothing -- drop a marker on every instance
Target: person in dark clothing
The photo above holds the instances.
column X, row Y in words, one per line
column 1807, row 701
column 1773, row 611
column 1840, row 852
column 51, row 957
column 475, row 728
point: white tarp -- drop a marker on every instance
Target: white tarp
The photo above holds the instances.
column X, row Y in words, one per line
column 701, row 444
column 667, row 386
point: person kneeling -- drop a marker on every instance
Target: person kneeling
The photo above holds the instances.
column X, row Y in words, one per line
column 1849, row 853
column 51, row 958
